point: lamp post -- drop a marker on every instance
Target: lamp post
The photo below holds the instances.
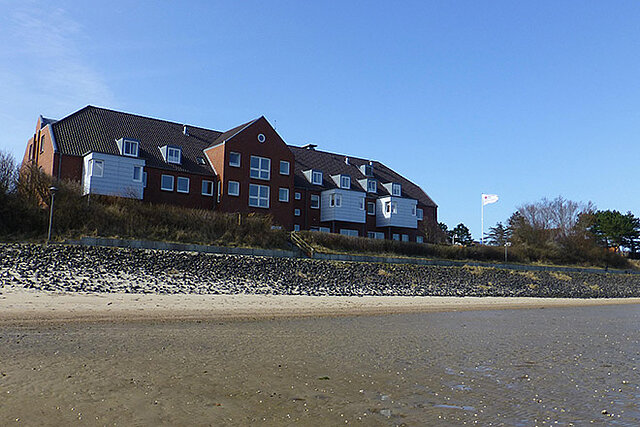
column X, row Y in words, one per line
column 52, row 190
column 506, row 245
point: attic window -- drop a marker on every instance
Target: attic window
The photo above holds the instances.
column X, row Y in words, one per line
column 372, row 186
column 316, row 177
column 174, row 155
column 396, row 189
column 367, row 170
column 201, row 161
column 128, row 147
column 345, row 181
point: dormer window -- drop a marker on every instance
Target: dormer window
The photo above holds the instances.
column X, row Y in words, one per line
column 128, row 147
column 345, row 181
column 372, row 186
column 367, row 170
column 171, row 154
column 174, row 155
column 396, row 189
column 316, row 177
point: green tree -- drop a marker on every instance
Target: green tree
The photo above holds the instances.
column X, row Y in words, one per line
column 612, row 229
column 462, row 235
column 498, row 235
column 445, row 230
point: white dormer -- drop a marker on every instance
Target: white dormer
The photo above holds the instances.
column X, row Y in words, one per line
column 369, row 184
column 395, row 188
column 171, row 154
column 342, row 181
column 128, row 147
column 367, row 170
column 314, row 176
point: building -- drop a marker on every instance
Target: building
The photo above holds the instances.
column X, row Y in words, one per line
column 246, row 169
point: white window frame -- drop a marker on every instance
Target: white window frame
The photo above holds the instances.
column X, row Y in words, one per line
column 283, row 191
column 371, row 211
column 172, row 157
column 413, row 211
column 420, row 214
column 233, row 188
column 182, row 179
column 345, row 181
column 137, row 168
column 391, row 207
column 362, row 204
column 298, row 195
column 93, row 171
column 316, row 198
column 316, row 177
column 131, row 143
column 206, row 184
column 162, row 187
column 395, row 237
column 396, row 189
column 288, row 167
column 260, row 172
column 231, row 162
column 144, row 179
column 259, row 200
column 349, row 232
column 372, row 186
column 296, row 212
column 335, row 200
column 405, row 237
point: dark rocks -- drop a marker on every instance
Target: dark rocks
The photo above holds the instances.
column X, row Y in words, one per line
column 99, row 269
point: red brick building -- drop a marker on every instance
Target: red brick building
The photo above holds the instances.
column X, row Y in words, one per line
column 246, row 169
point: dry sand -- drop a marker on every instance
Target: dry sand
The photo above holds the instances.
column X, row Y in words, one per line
column 18, row 305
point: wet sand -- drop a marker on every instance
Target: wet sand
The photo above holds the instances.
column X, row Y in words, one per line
column 18, row 305
column 491, row 367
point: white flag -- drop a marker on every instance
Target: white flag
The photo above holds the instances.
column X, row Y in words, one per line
column 489, row 198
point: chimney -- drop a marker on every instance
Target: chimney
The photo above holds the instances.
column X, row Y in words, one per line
column 309, row 146
column 185, row 131
column 346, row 160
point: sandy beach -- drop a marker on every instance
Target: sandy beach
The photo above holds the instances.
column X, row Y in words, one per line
column 18, row 305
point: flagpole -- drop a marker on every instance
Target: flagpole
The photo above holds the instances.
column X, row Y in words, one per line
column 482, row 220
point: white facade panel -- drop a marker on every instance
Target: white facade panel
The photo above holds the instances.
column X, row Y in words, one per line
column 350, row 209
column 117, row 176
column 401, row 215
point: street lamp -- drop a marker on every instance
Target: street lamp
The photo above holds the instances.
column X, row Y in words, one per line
column 506, row 245
column 52, row 190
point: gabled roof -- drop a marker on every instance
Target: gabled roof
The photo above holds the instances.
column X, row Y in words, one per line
column 232, row 132
column 334, row 164
column 97, row 129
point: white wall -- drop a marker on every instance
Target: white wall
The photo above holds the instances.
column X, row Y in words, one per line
column 117, row 179
column 404, row 216
column 349, row 210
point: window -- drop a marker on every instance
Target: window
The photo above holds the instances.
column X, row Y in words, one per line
column 258, row 196
column 174, row 155
column 391, row 207
column 335, row 200
column 405, row 237
column 234, row 159
column 42, row 144
column 296, row 212
column 413, row 211
column 315, row 201
column 283, row 194
column 396, row 189
column 144, row 179
column 261, row 138
column 345, row 181
column 361, row 204
column 296, row 227
column 183, row 184
column 371, row 208
column 316, row 177
column 130, row 148
column 324, row 230
column 372, row 186
column 396, row 236
column 298, row 195
column 233, row 188
column 166, row 183
column 375, row 235
column 348, row 232
column 207, row 188
column 260, row 168
column 284, row 167
column 96, row 168
column 137, row 173
column 420, row 214
column 419, row 239
column 31, row 152
column 367, row 170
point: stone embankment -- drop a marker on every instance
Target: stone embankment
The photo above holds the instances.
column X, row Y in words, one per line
column 98, row 269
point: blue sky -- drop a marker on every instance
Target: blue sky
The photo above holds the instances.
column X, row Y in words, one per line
column 522, row 99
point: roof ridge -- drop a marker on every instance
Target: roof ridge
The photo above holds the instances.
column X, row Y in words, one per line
column 335, row 154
